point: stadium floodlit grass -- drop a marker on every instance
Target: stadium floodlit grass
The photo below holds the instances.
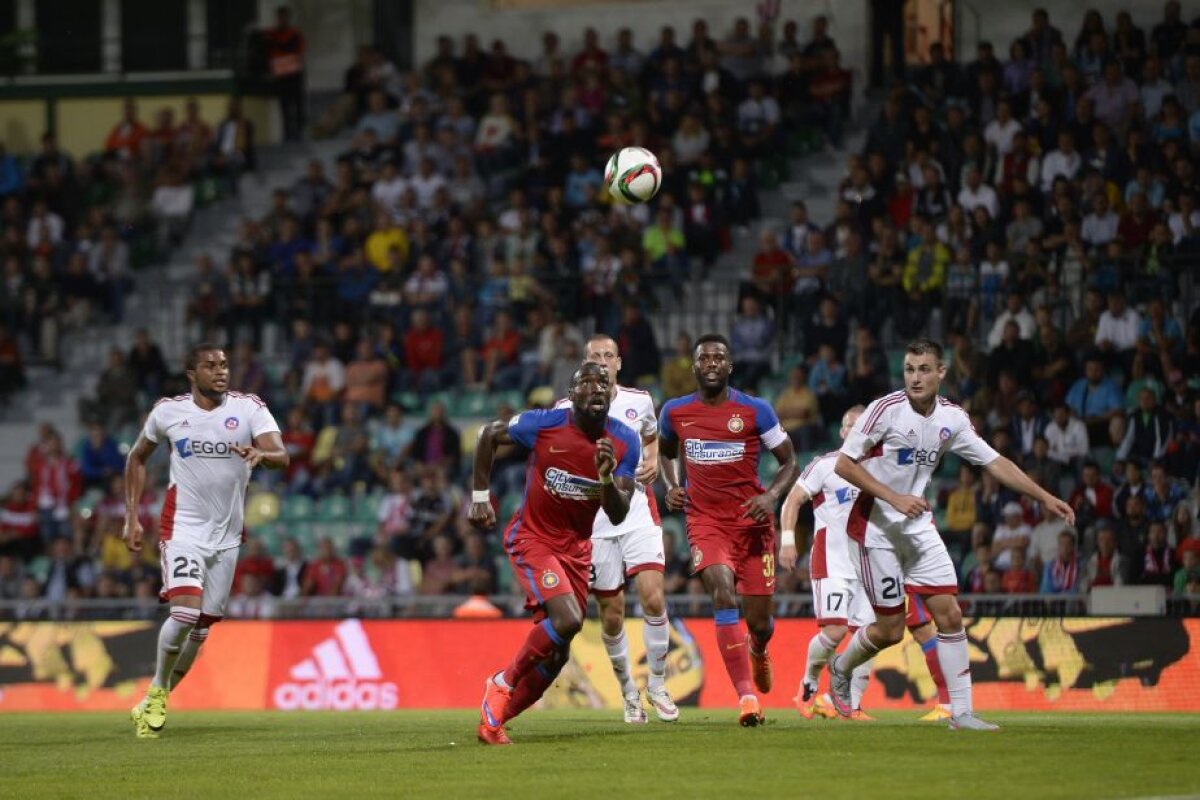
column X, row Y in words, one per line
column 578, row 754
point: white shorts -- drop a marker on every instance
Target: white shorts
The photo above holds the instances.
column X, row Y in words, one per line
column 841, row 601
column 190, row 570
column 618, row 558
column 916, row 563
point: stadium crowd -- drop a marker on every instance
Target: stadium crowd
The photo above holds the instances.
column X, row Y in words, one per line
column 1039, row 214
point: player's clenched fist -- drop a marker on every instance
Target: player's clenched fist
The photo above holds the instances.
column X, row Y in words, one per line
column 606, row 459
column 788, row 556
column 133, row 534
column 482, row 515
column 676, row 498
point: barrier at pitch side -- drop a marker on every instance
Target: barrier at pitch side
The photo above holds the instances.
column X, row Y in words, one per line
column 1077, row 664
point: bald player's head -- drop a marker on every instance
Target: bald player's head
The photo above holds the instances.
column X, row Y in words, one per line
column 849, row 418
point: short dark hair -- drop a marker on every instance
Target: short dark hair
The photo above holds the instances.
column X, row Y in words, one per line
column 924, row 346
column 193, row 355
column 711, row 338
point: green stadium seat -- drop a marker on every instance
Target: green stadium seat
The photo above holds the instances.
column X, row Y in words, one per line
column 474, row 404
column 366, row 507
column 896, row 364
column 38, row 568
column 512, row 398
column 333, row 508
column 298, row 508
column 1135, row 389
column 411, row 401
column 1104, row 456
column 508, row 506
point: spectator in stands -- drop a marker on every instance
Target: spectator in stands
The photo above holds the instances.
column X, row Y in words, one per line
column 1011, row 534
column 1148, row 430
column 975, row 568
column 254, row 562
column 1028, row 424
column 1067, row 437
column 12, row 369
column 1095, row 399
column 69, row 575
column 285, row 63
column 1014, row 311
column 233, row 145
column 752, row 337
column 324, row 380
column 1092, row 498
column 19, row 525
column 1019, row 578
column 125, row 139
column 250, row 599
column 366, row 378
column 636, row 341
column 798, row 410
column 99, row 458
column 1187, row 577
column 1157, row 564
column 677, row 378
column 1106, row 566
column 289, row 578
column 325, row 574
column 476, row 570
column 1061, row 576
column 437, row 442
column 1163, row 494
column 827, row 380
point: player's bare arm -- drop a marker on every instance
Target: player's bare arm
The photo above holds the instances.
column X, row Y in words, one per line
column 647, row 471
column 797, row 497
column 762, row 507
column 1012, row 476
column 668, row 460
column 492, row 436
column 614, row 491
column 135, row 484
column 267, row 450
column 907, row 504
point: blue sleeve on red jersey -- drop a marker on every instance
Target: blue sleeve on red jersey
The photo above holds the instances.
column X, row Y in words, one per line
column 666, row 429
column 523, row 428
column 628, row 463
column 765, row 417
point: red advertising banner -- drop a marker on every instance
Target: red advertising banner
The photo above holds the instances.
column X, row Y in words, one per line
column 1085, row 664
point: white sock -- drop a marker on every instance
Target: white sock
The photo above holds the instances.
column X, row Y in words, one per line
column 170, row 641
column 618, row 653
column 955, row 659
column 656, row 633
column 820, row 648
column 858, row 652
column 187, row 655
column 858, row 682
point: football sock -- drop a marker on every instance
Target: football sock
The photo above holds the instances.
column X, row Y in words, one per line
column 956, row 668
column 541, row 642
column 187, row 655
column 656, row 634
column 617, row 648
column 170, row 640
column 732, row 642
column 859, row 651
column 935, row 670
column 858, row 682
column 760, row 645
column 531, row 688
column 820, row 648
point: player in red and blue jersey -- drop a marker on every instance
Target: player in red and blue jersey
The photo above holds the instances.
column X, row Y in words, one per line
column 721, row 434
column 580, row 461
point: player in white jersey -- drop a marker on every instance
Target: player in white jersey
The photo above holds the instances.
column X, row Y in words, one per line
column 633, row 549
column 839, row 602
column 216, row 438
column 890, row 455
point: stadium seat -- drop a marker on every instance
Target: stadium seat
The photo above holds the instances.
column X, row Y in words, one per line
column 333, row 508
column 512, row 398
column 896, row 364
column 410, row 401
column 297, row 508
column 473, row 404
column 508, row 506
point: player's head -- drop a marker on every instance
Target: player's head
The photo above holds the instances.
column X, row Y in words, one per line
column 589, row 392
column 602, row 349
column 849, row 418
column 712, row 362
column 207, row 369
column 924, row 370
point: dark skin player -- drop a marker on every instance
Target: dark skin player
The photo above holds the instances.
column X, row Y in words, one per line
column 712, row 367
column 589, row 396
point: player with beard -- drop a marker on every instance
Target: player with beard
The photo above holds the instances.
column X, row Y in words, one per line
column 721, row 433
column 580, row 461
column 217, row 437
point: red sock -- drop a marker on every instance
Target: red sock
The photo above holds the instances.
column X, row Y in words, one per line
column 935, row 669
column 531, row 688
column 538, row 646
column 731, row 638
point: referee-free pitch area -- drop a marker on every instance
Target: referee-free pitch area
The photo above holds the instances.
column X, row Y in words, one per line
column 583, row 754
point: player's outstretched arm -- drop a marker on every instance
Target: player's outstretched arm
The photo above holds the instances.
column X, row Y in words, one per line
column 762, row 507
column 135, row 484
column 907, row 504
column 1012, row 476
column 491, row 437
column 797, row 497
column 668, row 462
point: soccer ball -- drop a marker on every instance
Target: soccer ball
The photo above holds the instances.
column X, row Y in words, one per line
column 633, row 175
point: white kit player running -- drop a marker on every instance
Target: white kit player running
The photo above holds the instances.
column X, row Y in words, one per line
column 839, row 602
column 216, row 438
column 632, row 549
column 890, row 455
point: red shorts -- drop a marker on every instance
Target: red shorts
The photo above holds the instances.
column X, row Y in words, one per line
column 917, row 614
column 546, row 570
column 749, row 552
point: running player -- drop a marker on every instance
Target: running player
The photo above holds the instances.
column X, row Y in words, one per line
column 890, row 455
column 580, row 461
column 839, row 601
column 721, row 433
column 216, row 438
column 632, row 549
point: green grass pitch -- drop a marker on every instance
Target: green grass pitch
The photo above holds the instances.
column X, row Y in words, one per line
column 583, row 754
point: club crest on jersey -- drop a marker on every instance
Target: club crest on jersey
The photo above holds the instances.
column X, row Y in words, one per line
column 944, row 434
column 231, row 423
column 736, row 424
column 549, row 580
column 561, row 483
column 630, row 414
column 699, row 451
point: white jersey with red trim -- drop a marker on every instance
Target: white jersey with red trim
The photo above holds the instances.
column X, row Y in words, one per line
column 206, row 498
column 634, row 408
column 832, row 497
column 902, row 449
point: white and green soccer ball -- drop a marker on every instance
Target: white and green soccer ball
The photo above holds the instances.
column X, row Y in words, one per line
column 633, row 175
